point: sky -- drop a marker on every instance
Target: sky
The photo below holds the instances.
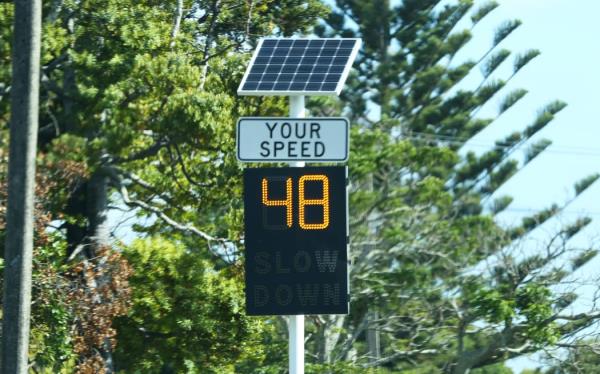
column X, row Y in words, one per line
column 566, row 32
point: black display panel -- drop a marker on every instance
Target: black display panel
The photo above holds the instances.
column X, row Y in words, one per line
column 296, row 236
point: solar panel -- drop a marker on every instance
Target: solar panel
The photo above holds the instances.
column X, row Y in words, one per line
column 286, row 66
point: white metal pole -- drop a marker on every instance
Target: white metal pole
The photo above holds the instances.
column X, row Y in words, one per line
column 297, row 111
column 296, row 323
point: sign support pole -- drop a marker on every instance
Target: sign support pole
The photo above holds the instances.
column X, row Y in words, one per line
column 296, row 322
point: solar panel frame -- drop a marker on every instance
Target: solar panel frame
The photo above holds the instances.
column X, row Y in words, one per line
column 295, row 63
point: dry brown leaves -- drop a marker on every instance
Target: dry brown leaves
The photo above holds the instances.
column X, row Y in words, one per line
column 101, row 292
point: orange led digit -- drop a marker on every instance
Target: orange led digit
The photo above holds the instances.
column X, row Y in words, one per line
column 287, row 202
column 324, row 202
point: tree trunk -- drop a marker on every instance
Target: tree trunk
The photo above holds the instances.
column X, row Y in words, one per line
column 90, row 200
column 328, row 337
column 373, row 338
column 97, row 210
column 99, row 236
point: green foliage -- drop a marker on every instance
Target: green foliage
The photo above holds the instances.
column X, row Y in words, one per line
column 150, row 108
column 529, row 223
column 343, row 368
column 493, row 369
column 536, row 148
column 572, row 229
column 186, row 316
column 51, row 335
column 583, row 184
column 492, row 305
column 483, row 11
column 505, row 30
column 583, row 258
column 565, row 300
column 582, row 359
column 488, row 90
column 501, row 203
column 511, row 99
column 532, row 371
column 545, row 116
column 420, row 240
column 494, row 61
column 52, row 317
column 523, row 59
column 535, row 304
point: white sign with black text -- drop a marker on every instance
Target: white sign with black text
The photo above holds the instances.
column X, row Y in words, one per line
column 270, row 139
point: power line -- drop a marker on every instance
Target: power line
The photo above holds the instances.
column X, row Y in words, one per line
column 552, row 148
column 558, row 212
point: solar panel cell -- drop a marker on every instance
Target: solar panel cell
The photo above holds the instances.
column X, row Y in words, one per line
column 305, row 68
column 299, row 66
column 321, row 68
column 289, row 69
column 277, row 60
column 297, row 51
column 300, row 43
column 254, row 78
column 336, row 69
column 285, row 43
column 315, row 43
column 329, row 52
column 262, row 60
column 301, row 77
column 273, row 69
column 316, row 78
column 265, row 86
column 324, row 61
column 258, row 70
column 266, row 52
column 293, row 60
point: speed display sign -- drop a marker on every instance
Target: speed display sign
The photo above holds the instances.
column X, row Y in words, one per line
column 296, row 240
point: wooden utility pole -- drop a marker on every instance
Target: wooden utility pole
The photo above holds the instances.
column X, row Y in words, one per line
column 21, row 184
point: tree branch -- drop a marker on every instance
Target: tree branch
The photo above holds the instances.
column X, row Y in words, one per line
column 176, row 22
column 144, row 153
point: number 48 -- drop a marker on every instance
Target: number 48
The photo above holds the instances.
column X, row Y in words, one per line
column 302, row 200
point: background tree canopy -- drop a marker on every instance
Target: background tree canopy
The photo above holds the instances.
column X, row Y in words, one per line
column 137, row 113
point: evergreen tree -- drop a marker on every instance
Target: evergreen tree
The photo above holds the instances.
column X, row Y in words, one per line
column 580, row 358
column 437, row 285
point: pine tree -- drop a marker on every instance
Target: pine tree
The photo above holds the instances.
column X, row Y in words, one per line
column 437, row 284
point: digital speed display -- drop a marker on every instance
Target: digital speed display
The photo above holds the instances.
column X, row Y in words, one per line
column 296, row 240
